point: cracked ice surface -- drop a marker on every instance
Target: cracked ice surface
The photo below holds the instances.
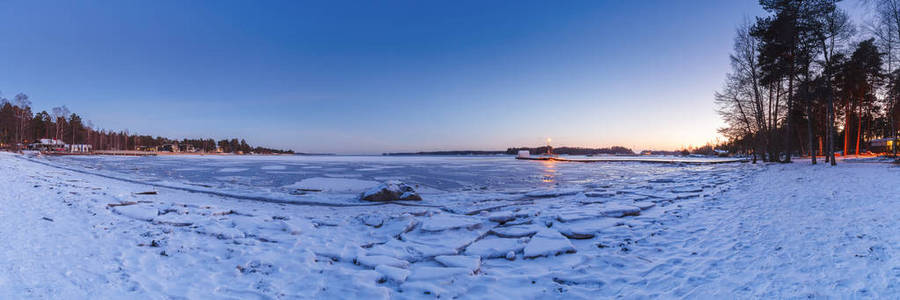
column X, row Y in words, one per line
column 486, row 227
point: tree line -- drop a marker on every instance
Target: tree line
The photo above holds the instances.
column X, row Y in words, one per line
column 19, row 125
column 804, row 80
column 573, row 150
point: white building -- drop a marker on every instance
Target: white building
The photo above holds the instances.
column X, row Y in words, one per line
column 48, row 145
column 51, row 142
column 79, row 148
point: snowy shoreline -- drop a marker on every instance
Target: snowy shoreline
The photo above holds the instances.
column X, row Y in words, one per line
column 737, row 230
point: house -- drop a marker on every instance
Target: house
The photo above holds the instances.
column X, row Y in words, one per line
column 169, row 148
column 48, row 145
column 881, row 145
column 186, row 148
column 51, row 142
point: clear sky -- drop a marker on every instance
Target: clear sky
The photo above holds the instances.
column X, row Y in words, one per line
column 376, row 76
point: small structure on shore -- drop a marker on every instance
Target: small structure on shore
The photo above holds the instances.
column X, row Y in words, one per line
column 524, row 154
column 79, row 148
column 881, row 145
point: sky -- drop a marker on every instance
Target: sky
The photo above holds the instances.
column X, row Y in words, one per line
column 366, row 77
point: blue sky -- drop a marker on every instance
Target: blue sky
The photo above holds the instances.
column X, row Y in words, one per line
column 375, row 76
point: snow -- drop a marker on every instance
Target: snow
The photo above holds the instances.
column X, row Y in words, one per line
column 273, row 167
column 395, row 274
column 490, row 227
column 137, row 211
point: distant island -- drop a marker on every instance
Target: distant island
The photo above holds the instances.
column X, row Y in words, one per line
column 614, row 150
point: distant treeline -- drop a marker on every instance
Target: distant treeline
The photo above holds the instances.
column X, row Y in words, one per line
column 533, row 150
column 574, row 150
column 667, row 152
column 460, row 152
column 18, row 125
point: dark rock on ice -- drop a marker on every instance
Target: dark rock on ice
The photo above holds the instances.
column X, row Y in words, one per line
column 391, row 191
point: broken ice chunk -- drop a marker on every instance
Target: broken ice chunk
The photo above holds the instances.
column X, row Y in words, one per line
column 687, row 189
column 501, row 216
column 644, row 205
column 375, row 260
column 548, row 242
column 599, row 194
column 371, row 220
column 586, row 229
column 553, row 192
column 437, row 273
column 494, row 247
column 442, row 222
column 472, row 263
column 619, row 210
column 393, row 273
column 517, row 231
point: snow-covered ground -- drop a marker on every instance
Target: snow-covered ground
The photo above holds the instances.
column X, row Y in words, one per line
column 488, row 227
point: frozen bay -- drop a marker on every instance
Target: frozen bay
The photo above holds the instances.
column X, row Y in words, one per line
column 82, row 227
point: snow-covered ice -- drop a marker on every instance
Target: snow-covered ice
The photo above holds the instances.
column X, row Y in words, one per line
column 339, row 185
column 487, row 227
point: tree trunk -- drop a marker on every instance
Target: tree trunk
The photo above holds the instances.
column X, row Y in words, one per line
column 809, row 131
column 858, row 126
column 893, row 130
column 847, row 110
column 830, row 126
column 790, row 108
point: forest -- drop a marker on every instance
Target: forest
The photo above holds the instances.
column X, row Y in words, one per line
column 805, row 80
column 20, row 126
